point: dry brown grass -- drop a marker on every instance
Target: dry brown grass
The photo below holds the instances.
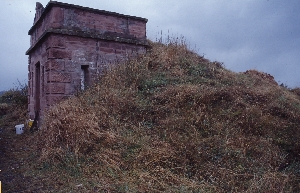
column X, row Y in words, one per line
column 172, row 121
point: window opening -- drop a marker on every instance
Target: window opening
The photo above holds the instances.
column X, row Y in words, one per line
column 84, row 77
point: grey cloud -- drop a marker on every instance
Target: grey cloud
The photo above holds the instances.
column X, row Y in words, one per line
column 250, row 34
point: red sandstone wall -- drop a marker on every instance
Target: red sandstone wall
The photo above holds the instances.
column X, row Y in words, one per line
column 70, row 18
column 61, row 58
column 63, row 51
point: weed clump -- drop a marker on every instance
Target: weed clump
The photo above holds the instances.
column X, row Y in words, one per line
column 13, row 106
column 172, row 121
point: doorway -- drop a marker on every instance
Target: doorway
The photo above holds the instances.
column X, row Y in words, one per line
column 37, row 87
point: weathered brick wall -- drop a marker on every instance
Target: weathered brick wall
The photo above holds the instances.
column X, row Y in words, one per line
column 69, row 40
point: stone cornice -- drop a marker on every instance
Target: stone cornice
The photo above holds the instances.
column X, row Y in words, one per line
column 88, row 34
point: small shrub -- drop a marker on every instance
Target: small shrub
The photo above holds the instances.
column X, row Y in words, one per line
column 296, row 91
column 15, row 96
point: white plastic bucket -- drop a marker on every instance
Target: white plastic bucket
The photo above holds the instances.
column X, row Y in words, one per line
column 19, row 129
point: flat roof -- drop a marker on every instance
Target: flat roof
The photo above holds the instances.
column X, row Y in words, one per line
column 66, row 5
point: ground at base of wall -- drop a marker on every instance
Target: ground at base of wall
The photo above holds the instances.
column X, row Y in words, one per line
column 19, row 168
column 12, row 152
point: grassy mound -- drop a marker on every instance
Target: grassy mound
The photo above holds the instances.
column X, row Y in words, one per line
column 172, row 121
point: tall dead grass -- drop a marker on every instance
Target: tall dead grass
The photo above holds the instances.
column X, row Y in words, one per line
column 172, row 121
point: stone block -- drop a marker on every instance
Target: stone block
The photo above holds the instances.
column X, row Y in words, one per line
column 44, row 56
column 104, row 44
column 69, row 89
column 58, row 42
column 120, row 52
column 55, row 76
column 57, row 15
column 71, row 66
column 81, row 55
column 115, row 45
column 58, row 65
column 55, row 88
column 53, row 99
column 107, row 50
column 56, row 53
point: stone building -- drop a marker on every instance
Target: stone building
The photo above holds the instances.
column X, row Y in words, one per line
column 71, row 45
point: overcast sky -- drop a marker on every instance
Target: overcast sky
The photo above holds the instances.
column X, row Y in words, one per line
column 244, row 34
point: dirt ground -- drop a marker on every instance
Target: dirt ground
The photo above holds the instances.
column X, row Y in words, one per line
column 13, row 153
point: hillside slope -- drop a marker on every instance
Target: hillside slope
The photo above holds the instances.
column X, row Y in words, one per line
column 172, row 121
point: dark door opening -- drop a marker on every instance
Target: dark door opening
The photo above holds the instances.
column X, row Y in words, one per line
column 37, row 87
